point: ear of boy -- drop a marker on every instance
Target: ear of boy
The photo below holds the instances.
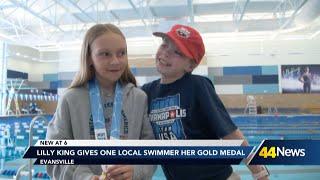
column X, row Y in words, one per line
column 191, row 66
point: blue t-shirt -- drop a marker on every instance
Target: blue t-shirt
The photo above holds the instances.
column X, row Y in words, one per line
column 189, row 108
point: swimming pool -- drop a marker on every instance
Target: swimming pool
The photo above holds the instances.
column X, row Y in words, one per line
column 14, row 140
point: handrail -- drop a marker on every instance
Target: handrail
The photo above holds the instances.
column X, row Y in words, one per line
column 31, row 138
column 18, row 175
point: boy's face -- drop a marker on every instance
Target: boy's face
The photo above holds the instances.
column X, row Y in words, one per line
column 171, row 62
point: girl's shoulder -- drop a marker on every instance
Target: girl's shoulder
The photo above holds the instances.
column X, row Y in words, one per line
column 132, row 90
column 74, row 93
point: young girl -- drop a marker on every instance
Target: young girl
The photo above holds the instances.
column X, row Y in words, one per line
column 102, row 103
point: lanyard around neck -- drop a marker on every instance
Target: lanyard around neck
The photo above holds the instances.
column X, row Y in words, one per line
column 96, row 105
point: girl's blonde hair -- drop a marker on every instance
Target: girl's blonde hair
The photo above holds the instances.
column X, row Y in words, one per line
column 87, row 71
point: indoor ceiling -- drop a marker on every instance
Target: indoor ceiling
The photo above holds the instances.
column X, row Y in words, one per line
column 45, row 24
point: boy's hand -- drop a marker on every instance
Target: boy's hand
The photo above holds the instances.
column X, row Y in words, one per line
column 117, row 172
column 95, row 177
column 264, row 178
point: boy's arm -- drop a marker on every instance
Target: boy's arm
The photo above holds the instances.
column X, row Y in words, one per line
column 219, row 119
column 255, row 169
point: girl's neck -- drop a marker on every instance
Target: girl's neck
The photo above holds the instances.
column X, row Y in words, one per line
column 106, row 86
column 108, row 91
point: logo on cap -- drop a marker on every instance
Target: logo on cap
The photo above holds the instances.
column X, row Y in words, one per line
column 183, row 32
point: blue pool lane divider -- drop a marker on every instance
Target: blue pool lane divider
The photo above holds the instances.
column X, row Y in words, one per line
column 13, row 172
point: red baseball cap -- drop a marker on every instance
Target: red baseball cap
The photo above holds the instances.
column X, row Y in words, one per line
column 187, row 39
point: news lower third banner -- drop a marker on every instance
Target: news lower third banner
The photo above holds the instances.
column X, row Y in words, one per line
column 67, row 152
column 138, row 152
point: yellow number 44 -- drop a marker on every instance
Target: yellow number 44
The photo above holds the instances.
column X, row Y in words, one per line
column 265, row 153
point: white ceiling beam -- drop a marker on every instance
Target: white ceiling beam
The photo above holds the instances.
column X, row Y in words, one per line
column 18, row 27
column 68, row 10
column 106, row 5
column 191, row 11
column 239, row 11
column 43, row 18
column 289, row 21
column 81, row 10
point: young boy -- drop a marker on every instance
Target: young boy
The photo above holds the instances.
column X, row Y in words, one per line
column 185, row 106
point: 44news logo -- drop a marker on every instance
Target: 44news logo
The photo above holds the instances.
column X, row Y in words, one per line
column 287, row 152
column 273, row 152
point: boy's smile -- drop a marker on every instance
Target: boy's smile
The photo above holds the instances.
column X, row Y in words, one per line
column 170, row 62
column 163, row 63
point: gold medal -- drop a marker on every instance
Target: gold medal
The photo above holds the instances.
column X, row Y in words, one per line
column 103, row 175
